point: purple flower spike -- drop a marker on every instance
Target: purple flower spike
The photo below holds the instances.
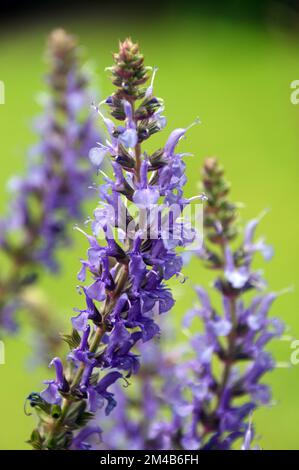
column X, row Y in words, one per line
column 127, row 274
column 51, row 194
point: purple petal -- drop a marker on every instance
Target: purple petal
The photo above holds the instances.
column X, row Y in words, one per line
column 221, row 327
column 172, row 141
column 128, row 138
column 56, row 362
column 146, row 198
column 249, row 231
column 190, row 442
column 237, row 277
column 95, row 401
column 50, row 394
column 137, row 269
column 80, row 321
column 82, row 273
column 203, row 297
column 108, row 380
column 85, row 433
column 96, row 155
column 96, row 291
column 128, row 110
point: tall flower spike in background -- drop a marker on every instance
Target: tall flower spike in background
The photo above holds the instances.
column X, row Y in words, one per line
column 239, row 334
column 223, row 378
column 128, row 275
column 56, row 183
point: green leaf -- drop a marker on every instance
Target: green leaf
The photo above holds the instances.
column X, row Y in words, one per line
column 72, row 340
column 36, row 441
column 84, row 418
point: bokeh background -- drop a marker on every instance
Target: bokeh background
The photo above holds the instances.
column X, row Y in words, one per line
column 230, row 63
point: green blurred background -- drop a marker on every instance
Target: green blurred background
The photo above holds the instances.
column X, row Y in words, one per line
column 234, row 74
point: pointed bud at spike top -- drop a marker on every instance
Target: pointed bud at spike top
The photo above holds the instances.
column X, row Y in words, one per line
column 210, row 164
column 129, row 71
column 61, row 45
column 62, row 56
column 218, row 210
column 127, row 50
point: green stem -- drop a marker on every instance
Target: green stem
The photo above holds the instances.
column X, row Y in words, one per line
column 138, row 161
column 230, row 350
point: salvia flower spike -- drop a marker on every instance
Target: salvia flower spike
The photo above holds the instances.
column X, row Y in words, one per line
column 58, row 175
column 129, row 273
column 237, row 336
